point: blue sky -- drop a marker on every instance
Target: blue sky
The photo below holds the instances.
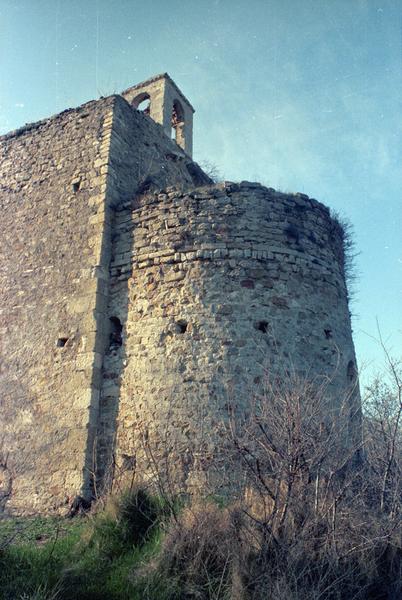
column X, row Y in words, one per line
column 302, row 95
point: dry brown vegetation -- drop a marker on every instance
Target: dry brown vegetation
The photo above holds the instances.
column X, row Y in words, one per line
column 318, row 501
column 309, row 509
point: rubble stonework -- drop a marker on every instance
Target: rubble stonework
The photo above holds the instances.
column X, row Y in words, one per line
column 136, row 295
column 216, row 289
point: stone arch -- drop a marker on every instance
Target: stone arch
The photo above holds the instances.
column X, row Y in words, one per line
column 177, row 122
column 142, row 102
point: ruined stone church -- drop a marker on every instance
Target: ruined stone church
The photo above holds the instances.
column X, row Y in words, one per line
column 139, row 298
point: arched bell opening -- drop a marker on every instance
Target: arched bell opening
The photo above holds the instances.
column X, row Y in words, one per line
column 177, row 123
column 142, row 102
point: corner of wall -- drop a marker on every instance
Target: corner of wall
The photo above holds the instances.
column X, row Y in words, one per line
column 98, row 284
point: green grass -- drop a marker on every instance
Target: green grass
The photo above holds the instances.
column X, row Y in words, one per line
column 69, row 569
column 27, row 566
column 92, row 575
column 86, row 558
column 21, row 530
column 133, row 548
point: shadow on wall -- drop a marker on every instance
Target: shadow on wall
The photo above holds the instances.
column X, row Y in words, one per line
column 113, row 364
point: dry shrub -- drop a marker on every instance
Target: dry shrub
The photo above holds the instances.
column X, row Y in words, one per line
column 212, row 553
column 290, row 572
column 202, row 553
column 318, row 502
column 324, row 516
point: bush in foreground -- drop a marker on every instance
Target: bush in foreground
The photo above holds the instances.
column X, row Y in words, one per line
column 207, row 552
column 308, row 521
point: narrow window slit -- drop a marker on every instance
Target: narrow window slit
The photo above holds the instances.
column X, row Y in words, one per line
column 116, row 328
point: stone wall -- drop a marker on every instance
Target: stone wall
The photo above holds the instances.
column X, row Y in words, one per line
column 61, row 180
column 163, row 93
column 132, row 319
column 214, row 291
column 141, row 157
column 51, row 247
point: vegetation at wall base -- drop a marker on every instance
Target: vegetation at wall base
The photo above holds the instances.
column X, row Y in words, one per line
column 88, row 558
column 309, row 521
column 210, row 553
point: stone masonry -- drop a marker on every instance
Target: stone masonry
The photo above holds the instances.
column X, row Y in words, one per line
column 216, row 289
column 137, row 295
column 168, row 106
